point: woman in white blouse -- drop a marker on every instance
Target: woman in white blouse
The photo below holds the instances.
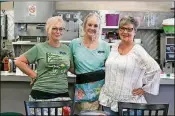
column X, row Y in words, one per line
column 130, row 71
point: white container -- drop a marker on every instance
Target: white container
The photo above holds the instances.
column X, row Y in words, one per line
column 18, row 71
column 173, row 4
column 137, row 41
column 103, row 36
column 169, row 21
column 93, row 113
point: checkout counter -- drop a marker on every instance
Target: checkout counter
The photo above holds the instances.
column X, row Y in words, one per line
column 15, row 89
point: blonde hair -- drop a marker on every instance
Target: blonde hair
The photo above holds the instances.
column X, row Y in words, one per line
column 90, row 15
column 51, row 22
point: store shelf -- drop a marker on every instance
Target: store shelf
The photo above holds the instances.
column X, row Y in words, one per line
column 172, row 8
column 24, row 43
column 21, row 77
column 65, row 41
column 10, row 76
column 110, row 27
column 32, row 43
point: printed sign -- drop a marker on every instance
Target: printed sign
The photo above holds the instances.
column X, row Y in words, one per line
column 32, row 10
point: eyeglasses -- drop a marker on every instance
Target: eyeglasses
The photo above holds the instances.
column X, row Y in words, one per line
column 56, row 29
column 122, row 29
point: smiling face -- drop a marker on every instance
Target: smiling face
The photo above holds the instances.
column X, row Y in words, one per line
column 56, row 31
column 55, row 28
column 91, row 26
column 127, row 33
column 127, row 28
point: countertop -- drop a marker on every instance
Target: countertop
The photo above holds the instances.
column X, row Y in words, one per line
column 20, row 77
column 6, row 76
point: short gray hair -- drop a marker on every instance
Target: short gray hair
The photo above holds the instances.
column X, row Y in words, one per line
column 129, row 20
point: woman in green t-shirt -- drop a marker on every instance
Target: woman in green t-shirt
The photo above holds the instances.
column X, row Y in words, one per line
column 53, row 60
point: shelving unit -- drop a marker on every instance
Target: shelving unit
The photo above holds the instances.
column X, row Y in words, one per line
column 24, row 43
column 110, row 27
column 172, row 8
column 107, row 28
column 32, row 43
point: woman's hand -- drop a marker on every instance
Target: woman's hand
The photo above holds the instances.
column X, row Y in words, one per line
column 22, row 63
column 32, row 81
column 138, row 92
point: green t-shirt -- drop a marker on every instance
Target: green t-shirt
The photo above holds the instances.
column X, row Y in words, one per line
column 52, row 65
column 87, row 60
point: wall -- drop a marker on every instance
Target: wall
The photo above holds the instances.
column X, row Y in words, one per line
column 104, row 5
column 13, row 95
column 6, row 5
column 165, row 96
column 115, row 5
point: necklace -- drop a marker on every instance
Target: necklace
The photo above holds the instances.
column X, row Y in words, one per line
column 90, row 44
column 125, row 50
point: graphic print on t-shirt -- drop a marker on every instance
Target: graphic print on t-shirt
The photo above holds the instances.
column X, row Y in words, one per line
column 56, row 63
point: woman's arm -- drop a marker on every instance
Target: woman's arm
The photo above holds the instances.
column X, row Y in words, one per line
column 22, row 63
column 151, row 79
column 72, row 68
